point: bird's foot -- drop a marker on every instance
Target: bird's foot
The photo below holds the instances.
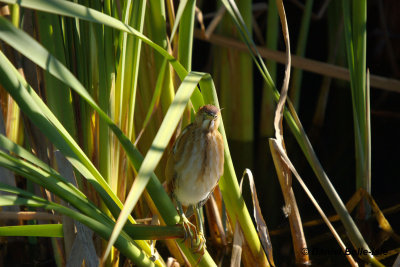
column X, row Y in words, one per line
column 194, row 239
column 190, row 228
column 200, row 244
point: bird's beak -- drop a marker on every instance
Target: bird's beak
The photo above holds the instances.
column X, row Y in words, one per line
column 212, row 123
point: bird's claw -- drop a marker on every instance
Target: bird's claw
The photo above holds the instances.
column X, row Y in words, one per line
column 197, row 240
column 200, row 244
column 188, row 227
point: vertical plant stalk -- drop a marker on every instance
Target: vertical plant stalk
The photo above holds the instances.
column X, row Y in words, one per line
column 99, row 72
column 159, row 36
column 155, row 87
column 58, row 95
column 355, row 20
column 355, row 41
column 186, row 27
column 137, row 22
column 185, row 41
column 367, row 139
column 13, row 123
column 235, row 82
column 283, row 172
column 117, row 110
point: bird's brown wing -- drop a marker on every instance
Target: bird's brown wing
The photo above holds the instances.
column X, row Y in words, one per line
column 169, row 171
column 220, row 148
column 174, row 154
column 220, row 144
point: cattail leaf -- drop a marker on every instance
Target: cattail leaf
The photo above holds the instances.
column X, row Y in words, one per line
column 39, row 230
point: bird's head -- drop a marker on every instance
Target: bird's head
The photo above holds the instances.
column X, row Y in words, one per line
column 208, row 117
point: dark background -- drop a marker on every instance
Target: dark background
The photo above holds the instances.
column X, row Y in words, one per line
column 334, row 141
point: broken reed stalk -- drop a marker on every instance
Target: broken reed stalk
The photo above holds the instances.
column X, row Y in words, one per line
column 291, row 209
column 282, row 170
column 283, row 158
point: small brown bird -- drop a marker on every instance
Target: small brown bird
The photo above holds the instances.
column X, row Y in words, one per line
column 196, row 161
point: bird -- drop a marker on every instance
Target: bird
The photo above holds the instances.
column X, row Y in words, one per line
column 195, row 165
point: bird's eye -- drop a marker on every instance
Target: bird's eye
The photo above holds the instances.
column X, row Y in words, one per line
column 210, row 115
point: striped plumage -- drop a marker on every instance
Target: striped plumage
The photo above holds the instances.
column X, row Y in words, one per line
column 196, row 161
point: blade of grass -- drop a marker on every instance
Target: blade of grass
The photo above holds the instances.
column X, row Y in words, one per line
column 355, row 25
column 40, row 230
column 34, row 108
column 101, row 83
column 118, row 105
column 118, row 108
column 28, row 199
column 166, row 208
column 77, row 11
column 59, row 101
column 159, row 36
column 130, row 148
column 186, row 27
column 14, row 127
column 31, row 160
column 137, row 22
column 62, row 73
column 186, row 21
column 155, row 99
column 181, row 9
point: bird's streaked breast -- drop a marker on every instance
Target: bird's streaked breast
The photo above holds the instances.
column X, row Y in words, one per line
column 200, row 167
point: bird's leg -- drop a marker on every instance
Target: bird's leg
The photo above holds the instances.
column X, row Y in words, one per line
column 199, row 219
column 201, row 240
column 187, row 225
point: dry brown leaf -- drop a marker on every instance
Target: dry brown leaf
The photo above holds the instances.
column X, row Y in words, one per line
column 237, row 247
column 262, row 228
